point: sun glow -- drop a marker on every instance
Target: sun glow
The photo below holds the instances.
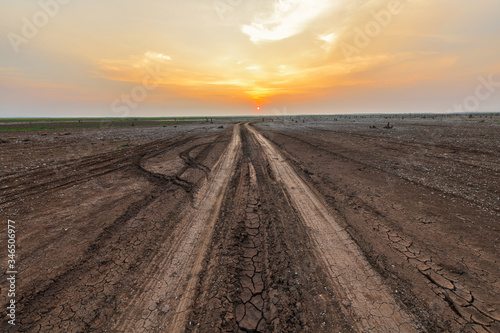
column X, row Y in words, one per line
column 318, row 55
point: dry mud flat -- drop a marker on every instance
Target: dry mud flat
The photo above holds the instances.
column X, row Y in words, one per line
column 321, row 226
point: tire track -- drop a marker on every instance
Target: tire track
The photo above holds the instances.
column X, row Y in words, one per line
column 81, row 170
column 190, row 162
column 412, row 144
column 89, row 291
column 162, row 302
column 363, row 290
column 418, row 182
column 40, row 303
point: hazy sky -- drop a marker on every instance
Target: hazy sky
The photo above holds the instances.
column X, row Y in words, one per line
column 224, row 57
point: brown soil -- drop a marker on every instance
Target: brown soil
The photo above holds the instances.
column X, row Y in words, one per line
column 322, row 225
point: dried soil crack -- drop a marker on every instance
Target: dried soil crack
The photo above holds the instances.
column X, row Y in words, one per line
column 359, row 285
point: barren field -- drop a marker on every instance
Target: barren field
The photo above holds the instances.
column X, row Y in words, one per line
column 295, row 224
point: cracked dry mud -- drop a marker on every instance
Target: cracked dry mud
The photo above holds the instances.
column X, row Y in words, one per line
column 267, row 227
column 249, row 313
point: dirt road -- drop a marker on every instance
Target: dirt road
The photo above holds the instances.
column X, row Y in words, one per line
column 169, row 288
column 369, row 299
column 269, row 227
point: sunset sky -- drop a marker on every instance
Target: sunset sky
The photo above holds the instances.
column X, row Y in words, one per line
column 227, row 57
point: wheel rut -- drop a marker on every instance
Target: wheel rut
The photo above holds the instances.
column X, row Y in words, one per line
column 190, row 162
column 78, row 171
column 363, row 291
column 163, row 300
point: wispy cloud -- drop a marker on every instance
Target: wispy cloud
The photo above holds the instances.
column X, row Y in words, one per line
column 287, row 18
column 10, row 72
column 133, row 68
